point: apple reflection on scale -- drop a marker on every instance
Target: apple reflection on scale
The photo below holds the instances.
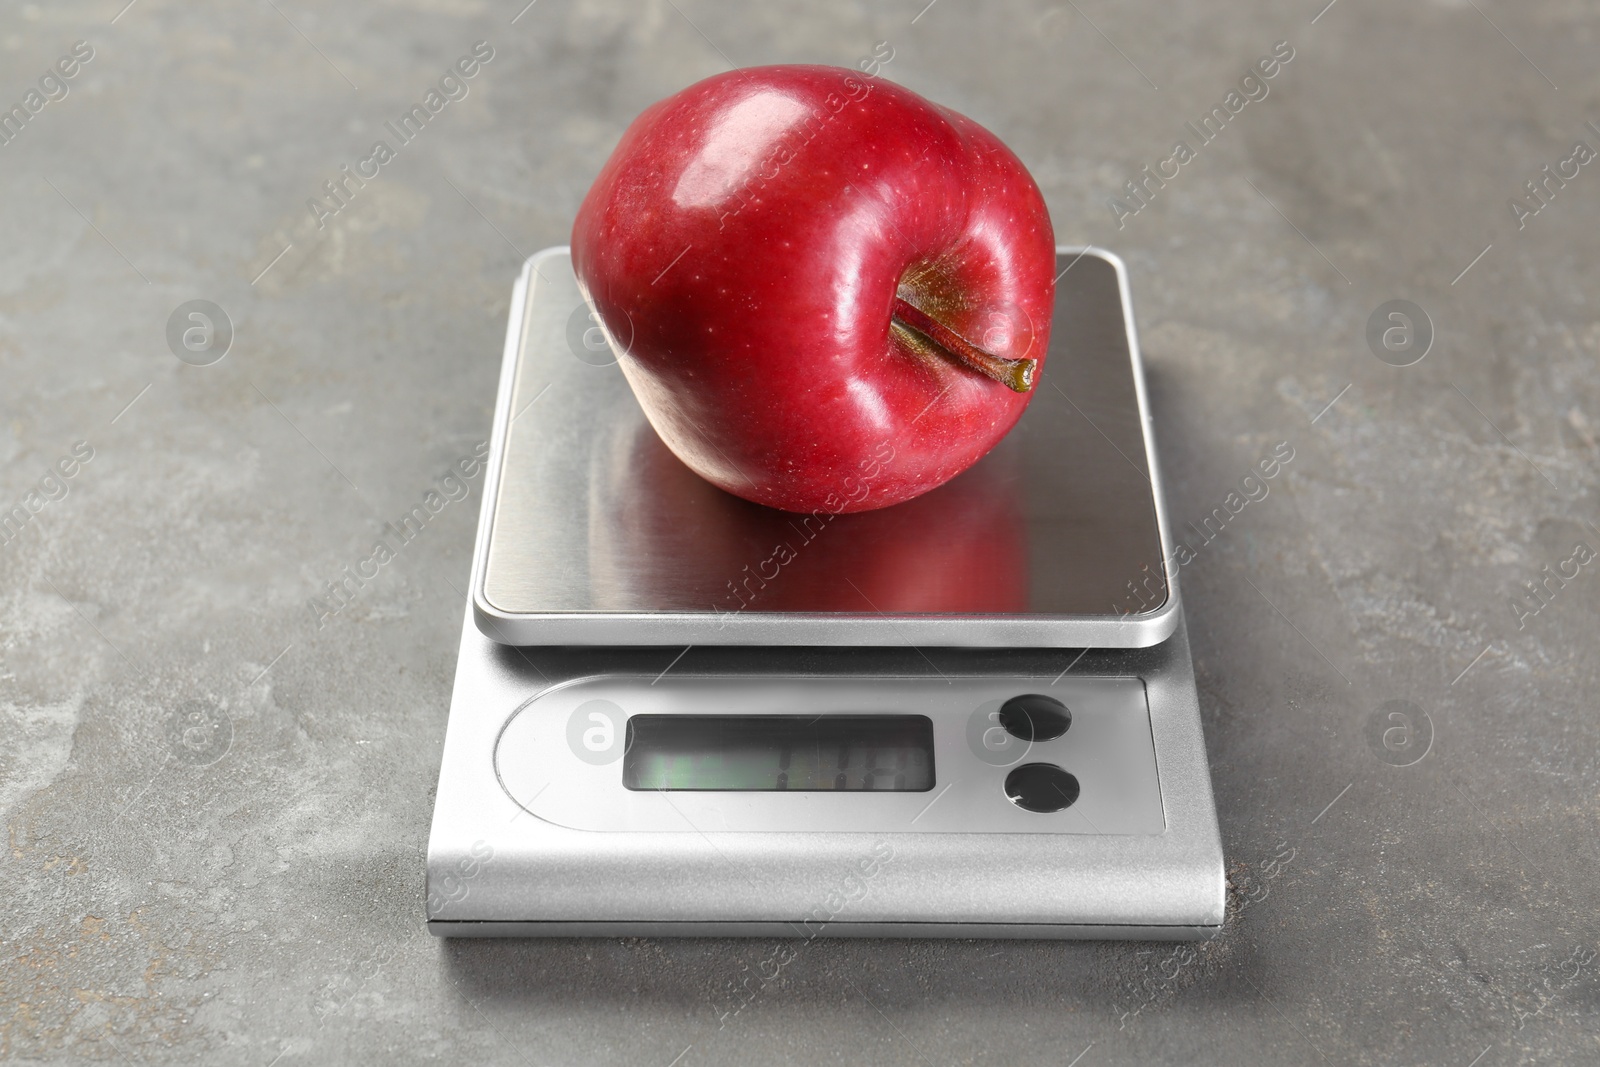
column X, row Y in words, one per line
column 972, row 714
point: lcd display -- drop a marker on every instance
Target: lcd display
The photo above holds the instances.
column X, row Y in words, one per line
column 768, row 753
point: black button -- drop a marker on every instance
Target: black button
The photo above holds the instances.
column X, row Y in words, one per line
column 1041, row 787
column 1035, row 718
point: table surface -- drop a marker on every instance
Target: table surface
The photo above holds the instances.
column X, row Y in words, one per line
column 216, row 778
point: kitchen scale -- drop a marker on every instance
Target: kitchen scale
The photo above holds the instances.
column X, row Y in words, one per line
column 679, row 713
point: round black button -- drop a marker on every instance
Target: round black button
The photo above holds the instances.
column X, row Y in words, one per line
column 1041, row 787
column 1035, row 718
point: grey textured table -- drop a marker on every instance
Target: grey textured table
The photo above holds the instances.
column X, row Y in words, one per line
column 216, row 787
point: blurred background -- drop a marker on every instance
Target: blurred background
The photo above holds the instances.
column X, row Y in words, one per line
column 216, row 797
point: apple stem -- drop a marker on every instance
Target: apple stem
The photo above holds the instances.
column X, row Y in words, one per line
column 1017, row 374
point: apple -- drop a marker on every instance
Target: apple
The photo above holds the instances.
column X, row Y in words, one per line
column 663, row 539
column 818, row 270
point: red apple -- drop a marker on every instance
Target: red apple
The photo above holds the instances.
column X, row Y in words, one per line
column 819, row 269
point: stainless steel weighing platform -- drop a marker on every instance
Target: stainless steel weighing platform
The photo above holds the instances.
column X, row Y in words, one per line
column 969, row 715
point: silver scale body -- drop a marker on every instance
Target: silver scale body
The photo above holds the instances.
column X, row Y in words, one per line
column 583, row 592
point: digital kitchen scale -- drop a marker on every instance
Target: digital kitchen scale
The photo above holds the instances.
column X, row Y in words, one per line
column 679, row 713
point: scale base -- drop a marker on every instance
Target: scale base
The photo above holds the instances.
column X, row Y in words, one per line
column 497, row 870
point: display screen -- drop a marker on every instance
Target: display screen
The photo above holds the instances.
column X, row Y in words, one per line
column 841, row 753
